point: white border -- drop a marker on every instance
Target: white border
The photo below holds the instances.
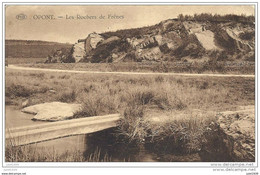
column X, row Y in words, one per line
column 127, row 164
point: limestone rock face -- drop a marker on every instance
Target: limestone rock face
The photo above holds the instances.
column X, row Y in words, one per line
column 170, row 40
column 153, row 54
column 241, row 44
column 111, row 39
column 204, row 36
column 142, row 43
column 92, row 40
column 78, row 51
column 53, row 111
column 238, row 130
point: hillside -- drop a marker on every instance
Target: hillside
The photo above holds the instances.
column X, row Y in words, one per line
column 32, row 48
column 205, row 37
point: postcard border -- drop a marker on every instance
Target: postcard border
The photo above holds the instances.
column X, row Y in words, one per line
column 127, row 4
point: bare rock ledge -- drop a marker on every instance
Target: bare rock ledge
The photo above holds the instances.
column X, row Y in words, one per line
column 53, row 111
column 238, row 132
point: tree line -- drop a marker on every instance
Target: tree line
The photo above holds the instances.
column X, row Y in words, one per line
column 217, row 18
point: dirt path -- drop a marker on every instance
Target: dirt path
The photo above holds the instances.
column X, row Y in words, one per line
column 126, row 73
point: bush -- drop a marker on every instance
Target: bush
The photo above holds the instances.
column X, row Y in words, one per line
column 132, row 125
column 247, row 35
column 67, row 97
column 95, row 104
column 218, row 55
column 217, row 18
column 131, row 57
column 18, row 91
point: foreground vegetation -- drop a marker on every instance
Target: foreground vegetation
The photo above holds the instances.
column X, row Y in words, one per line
column 156, row 109
column 34, row 154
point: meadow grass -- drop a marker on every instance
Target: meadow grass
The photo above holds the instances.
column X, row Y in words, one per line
column 25, row 60
column 32, row 153
column 137, row 98
column 110, row 93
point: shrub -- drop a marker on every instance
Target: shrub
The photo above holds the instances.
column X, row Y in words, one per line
column 131, row 57
column 64, row 77
column 38, row 75
column 18, row 91
column 182, row 135
column 95, row 104
column 132, row 125
column 67, row 97
column 204, row 85
column 217, row 18
column 218, row 55
column 247, row 35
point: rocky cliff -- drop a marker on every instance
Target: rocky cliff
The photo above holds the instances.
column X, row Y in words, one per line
column 221, row 37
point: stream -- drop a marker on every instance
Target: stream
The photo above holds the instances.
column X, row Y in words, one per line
column 106, row 142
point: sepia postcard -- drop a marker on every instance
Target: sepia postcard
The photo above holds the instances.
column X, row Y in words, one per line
column 130, row 85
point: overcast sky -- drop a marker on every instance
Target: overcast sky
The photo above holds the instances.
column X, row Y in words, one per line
column 70, row 30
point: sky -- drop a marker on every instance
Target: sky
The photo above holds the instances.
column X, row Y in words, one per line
column 70, row 23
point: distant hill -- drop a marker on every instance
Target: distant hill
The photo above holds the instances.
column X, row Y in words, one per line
column 32, row 48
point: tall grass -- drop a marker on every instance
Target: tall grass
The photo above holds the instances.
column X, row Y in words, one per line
column 32, row 153
column 187, row 133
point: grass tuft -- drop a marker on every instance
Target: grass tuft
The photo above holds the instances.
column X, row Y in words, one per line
column 67, row 96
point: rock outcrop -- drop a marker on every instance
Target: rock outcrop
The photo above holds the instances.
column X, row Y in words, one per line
column 79, row 52
column 53, row 111
column 92, row 41
column 172, row 39
column 203, row 34
column 238, row 133
column 84, row 46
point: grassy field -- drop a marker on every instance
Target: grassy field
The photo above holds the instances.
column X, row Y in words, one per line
column 111, row 93
column 25, row 60
column 199, row 66
column 141, row 100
